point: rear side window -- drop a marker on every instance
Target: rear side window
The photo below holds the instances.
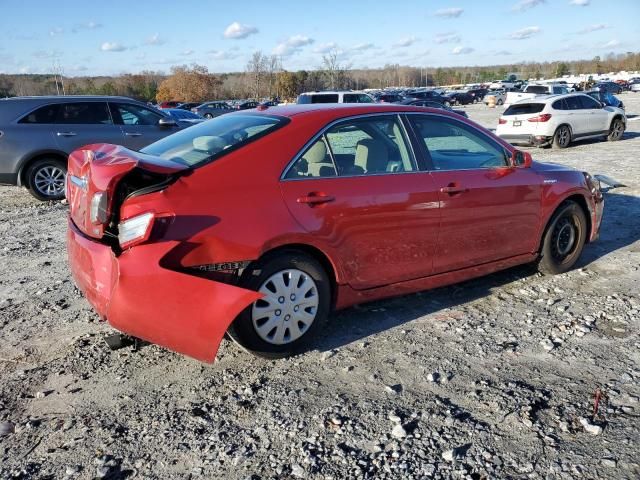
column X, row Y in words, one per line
column 573, row 103
column 46, row 114
column 324, row 98
column 524, row 108
column 559, row 105
column 212, row 139
column 84, row 113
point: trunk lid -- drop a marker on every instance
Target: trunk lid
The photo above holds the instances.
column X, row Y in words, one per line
column 98, row 168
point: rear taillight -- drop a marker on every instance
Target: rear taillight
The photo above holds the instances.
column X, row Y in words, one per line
column 135, row 230
column 502, row 121
column 540, row 118
column 98, row 209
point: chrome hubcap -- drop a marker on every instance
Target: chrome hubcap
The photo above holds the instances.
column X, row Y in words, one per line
column 288, row 308
column 49, row 181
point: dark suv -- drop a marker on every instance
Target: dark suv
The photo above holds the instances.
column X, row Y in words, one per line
column 38, row 133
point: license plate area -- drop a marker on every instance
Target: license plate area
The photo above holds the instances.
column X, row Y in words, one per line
column 517, row 123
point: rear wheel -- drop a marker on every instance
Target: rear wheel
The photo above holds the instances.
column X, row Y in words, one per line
column 294, row 308
column 500, row 102
column 208, row 116
column 616, row 131
column 45, row 179
column 563, row 240
column 562, row 137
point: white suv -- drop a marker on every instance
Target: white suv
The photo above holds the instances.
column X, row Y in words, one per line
column 560, row 119
column 349, row 96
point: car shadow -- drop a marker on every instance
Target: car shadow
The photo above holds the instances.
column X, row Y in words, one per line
column 362, row 321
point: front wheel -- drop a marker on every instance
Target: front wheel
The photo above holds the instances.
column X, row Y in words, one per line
column 45, row 179
column 563, row 240
column 500, row 102
column 616, row 131
column 294, row 308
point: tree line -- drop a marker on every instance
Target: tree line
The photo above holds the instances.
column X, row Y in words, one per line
column 265, row 77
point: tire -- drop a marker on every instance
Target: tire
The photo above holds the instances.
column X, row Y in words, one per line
column 562, row 137
column 500, row 102
column 563, row 240
column 270, row 276
column 616, row 130
column 208, row 116
column 45, row 179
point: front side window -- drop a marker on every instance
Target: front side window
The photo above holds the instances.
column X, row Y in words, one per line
column 573, row 103
column 84, row 113
column 588, row 102
column 136, row 115
column 210, row 140
column 455, row 146
column 368, row 146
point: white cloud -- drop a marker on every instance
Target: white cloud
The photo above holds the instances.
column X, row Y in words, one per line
column 56, row 31
column 361, row 47
column 42, row 54
column 524, row 33
column 461, row 50
column 238, row 31
column 221, row 55
column 90, row 25
column 155, row 40
column 612, row 44
column 453, row 12
column 79, row 68
column 593, row 28
column 503, row 53
column 580, row 3
column 325, row 47
column 526, row 5
column 187, row 52
column 112, row 47
column 405, row 42
column 447, row 37
column 292, row 45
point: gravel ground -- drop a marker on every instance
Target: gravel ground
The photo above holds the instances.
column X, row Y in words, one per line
column 493, row 378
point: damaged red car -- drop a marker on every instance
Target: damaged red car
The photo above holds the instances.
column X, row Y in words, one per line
column 261, row 223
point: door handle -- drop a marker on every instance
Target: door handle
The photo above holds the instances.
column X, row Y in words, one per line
column 129, row 134
column 66, row 134
column 452, row 189
column 315, row 199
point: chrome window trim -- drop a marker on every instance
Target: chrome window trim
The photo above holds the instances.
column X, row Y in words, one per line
column 324, row 130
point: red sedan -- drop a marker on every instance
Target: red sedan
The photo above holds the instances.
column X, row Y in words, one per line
column 260, row 223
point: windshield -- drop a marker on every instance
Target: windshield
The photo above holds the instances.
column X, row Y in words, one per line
column 212, row 139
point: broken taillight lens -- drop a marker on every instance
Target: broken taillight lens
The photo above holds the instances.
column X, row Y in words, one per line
column 98, row 209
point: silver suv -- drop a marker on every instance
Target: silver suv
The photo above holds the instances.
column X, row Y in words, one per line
column 38, row 133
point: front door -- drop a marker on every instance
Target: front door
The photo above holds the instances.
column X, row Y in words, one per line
column 489, row 209
column 358, row 191
column 139, row 125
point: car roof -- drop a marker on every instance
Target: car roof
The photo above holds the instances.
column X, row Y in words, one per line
column 66, row 98
column 331, row 111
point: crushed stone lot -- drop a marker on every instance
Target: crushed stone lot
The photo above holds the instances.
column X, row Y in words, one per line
column 493, row 378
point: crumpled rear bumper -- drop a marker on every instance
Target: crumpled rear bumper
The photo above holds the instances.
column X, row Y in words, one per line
column 139, row 297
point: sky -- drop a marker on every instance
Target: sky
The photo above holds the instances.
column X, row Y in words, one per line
column 114, row 36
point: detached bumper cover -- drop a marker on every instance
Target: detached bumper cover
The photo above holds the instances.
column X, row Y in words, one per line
column 137, row 296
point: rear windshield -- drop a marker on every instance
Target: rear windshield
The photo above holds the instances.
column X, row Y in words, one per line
column 212, row 139
column 537, row 89
column 524, row 108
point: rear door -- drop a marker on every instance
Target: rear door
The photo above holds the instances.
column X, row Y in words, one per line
column 357, row 189
column 489, row 209
column 82, row 123
column 138, row 124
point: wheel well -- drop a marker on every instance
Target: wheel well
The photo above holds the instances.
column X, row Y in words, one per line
column 616, row 117
column 582, row 202
column 317, row 255
column 25, row 166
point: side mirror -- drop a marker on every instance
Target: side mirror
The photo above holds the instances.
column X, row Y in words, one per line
column 167, row 122
column 521, row 159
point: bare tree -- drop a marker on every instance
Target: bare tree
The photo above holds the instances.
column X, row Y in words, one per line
column 334, row 70
column 274, row 66
column 256, row 69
